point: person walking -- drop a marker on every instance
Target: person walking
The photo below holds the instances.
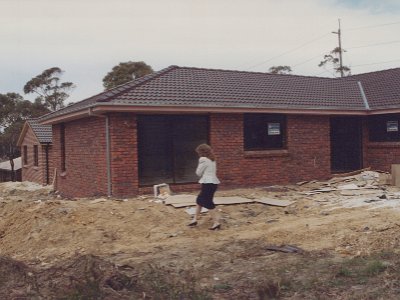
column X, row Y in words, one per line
column 207, row 171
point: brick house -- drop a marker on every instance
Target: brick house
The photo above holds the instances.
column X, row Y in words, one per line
column 35, row 142
column 265, row 129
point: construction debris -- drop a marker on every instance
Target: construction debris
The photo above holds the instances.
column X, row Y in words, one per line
column 161, row 191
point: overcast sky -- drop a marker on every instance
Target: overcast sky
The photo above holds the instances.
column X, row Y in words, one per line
column 86, row 38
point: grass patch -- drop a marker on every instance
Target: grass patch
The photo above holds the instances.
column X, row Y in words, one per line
column 160, row 283
column 222, row 287
column 374, row 268
column 327, row 277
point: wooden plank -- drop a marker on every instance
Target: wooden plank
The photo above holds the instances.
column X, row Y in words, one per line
column 274, row 202
column 396, row 175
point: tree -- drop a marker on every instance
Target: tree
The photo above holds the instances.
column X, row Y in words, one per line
column 280, row 70
column 48, row 87
column 13, row 112
column 125, row 72
column 334, row 58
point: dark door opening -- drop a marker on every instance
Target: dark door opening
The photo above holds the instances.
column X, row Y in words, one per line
column 166, row 146
column 346, row 144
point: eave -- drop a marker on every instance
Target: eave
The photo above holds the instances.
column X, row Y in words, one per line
column 102, row 109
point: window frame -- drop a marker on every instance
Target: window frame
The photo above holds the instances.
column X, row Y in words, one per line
column 251, row 126
column 378, row 129
column 25, row 155
column 35, row 155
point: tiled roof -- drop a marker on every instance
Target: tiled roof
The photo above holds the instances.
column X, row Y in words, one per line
column 102, row 97
column 218, row 88
column 42, row 132
column 196, row 87
column 382, row 88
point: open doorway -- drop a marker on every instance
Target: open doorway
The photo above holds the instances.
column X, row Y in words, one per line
column 346, row 144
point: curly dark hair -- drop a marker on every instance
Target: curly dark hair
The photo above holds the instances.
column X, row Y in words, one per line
column 204, row 150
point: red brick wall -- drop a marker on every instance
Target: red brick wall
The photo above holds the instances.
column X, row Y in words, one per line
column 309, row 147
column 85, row 158
column 307, row 155
column 124, row 157
column 29, row 171
column 379, row 155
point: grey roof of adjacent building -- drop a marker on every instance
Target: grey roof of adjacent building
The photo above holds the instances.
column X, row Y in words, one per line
column 197, row 87
column 43, row 132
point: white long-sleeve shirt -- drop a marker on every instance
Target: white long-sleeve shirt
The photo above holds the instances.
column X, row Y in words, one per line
column 207, row 171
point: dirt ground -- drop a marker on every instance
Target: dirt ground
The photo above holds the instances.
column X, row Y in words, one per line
column 47, row 241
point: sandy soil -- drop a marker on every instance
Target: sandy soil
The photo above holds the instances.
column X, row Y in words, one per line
column 41, row 229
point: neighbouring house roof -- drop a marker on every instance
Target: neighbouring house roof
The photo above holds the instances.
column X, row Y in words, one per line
column 43, row 133
column 5, row 165
column 382, row 88
column 194, row 89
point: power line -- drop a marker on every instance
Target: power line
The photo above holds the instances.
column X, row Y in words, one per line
column 321, row 37
column 290, row 51
column 310, row 59
column 377, row 63
column 373, row 26
column 365, row 46
column 378, row 44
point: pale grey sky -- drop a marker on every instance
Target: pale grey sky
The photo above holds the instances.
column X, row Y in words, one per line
column 86, row 38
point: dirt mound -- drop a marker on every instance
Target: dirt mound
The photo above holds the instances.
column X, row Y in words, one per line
column 16, row 279
column 81, row 277
column 117, row 248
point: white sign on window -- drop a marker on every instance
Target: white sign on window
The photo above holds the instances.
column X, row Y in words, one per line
column 392, row 126
column 274, row 128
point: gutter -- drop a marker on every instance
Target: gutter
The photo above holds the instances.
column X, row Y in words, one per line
column 47, row 163
column 108, row 151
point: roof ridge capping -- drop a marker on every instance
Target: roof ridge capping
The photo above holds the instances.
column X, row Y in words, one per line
column 122, row 88
column 367, row 73
column 264, row 73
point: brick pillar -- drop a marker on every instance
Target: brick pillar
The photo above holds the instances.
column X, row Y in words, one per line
column 309, row 147
column 226, row 138
column 124, row 154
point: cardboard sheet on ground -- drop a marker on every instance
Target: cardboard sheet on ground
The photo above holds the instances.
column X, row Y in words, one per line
column 177, row 199
column 190, row 200
column 350, row 186
column 274, row 202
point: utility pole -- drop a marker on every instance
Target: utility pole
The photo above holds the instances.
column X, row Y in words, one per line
column 339, row 33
